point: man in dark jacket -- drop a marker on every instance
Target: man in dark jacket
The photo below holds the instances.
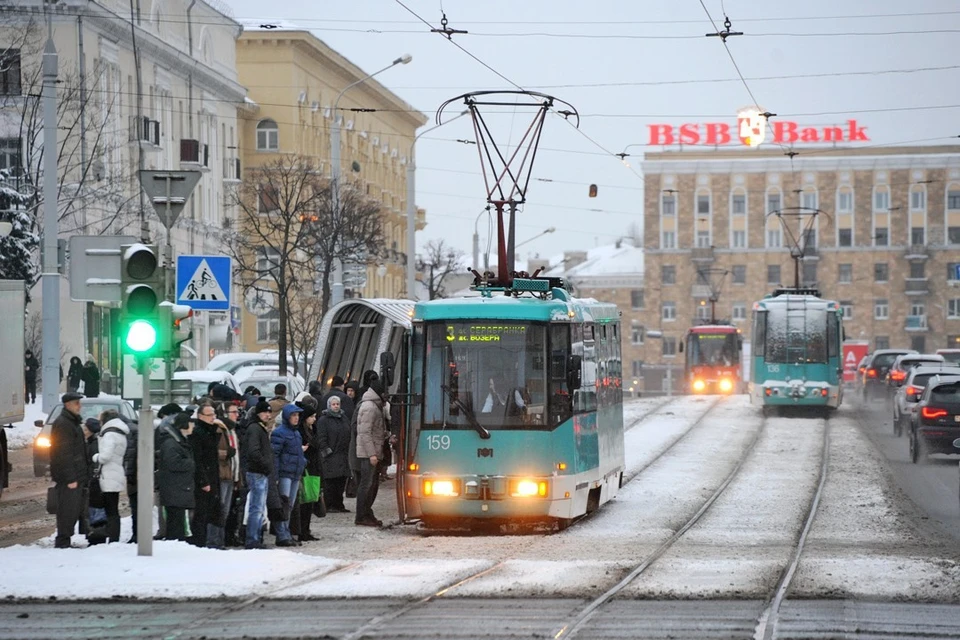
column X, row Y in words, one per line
column 337, row 389
column 90, row 375
column 68, row 467
column 176, row 475
column 30, row 368
column 204, row 441
column 257, row 459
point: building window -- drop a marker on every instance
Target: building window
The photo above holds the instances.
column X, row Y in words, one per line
column 953, row 200
column 953, row 308
column 809, row 200
column 10, row 155
column 636, row 299
column 845, row 202
column 668, row 274
column 918, row 310
column 953, row 342
column 669, row 346
column 847, row 307
column 809, row 238
column 881, row 309
column 881, row 199
column 637, row 367
column 267, row 199
column 669, row 311
column 636, row 335
column 739, row 239
column 881, row 237
column 702, row 311
column 10, row 73
column 268, row 260
column 268, row 327
column 918, row 343
column 773, row 238
column 918, row 200
column 739, row 311
column 953, row 235
column 881, row 272
column 809, row 274
column 918, row 270
column 703, row 205
column 703, row 239
column 918, row 236
column 739, row 274
column 952, row 270
column 668, row 205
column 268, row 136
column 845, row 273
column 669, row 240
column 881, row 342
column 773, row 202
column 773, row 274
column 738, row 204
column 845, row 237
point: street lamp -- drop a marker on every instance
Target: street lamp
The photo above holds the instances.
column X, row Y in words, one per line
column 412, row 206
column 337, row 294
column 542, row 233
column 476, row 243
column 623, row 154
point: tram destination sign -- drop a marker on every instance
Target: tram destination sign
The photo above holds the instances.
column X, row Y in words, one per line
column 751, row 129
column 483, row 332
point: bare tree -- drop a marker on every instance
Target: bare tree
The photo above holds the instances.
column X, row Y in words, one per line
column 305, row 317
column 438, row 261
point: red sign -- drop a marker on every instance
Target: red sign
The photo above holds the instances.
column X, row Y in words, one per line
column 752, row 133
column 853, row 353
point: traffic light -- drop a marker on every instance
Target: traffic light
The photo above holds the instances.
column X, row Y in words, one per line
column 141, row 292
column 172, row 333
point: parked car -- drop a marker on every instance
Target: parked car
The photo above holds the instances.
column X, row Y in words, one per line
column 935, row 422
column 875, row 375
column 266, row 378
column 89, row 408
column 233, row 362
column 907, row 396
column 950, row 355
column 200, row 380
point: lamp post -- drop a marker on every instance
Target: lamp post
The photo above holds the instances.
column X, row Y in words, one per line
column 476, row 243
column 412, row 206
column 337, row 293
column 623, row 155
column 542, row 233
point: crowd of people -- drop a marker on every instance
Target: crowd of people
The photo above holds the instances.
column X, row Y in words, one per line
column 229, row 469
column 80, row 376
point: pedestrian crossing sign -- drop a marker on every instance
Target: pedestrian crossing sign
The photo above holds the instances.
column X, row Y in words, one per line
column 203, row 282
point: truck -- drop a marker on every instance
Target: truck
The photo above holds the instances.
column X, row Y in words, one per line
column 12, row 307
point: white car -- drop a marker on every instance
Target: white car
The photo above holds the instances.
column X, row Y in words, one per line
column 907, row 396
column 265, row 378
column 200, row 380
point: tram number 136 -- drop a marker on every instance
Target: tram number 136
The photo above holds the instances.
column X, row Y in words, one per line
column 773, row 368
column 438, row 442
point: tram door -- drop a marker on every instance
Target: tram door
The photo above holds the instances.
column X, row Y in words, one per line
column 400, row 420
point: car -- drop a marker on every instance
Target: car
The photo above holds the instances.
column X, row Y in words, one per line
column 89, row 408
column 874, row 376
column 266, row 378
column 935, row 421
column 233, row 362
column 897, row 374
column 907, row 396
column 950, row 355
column 200, row 380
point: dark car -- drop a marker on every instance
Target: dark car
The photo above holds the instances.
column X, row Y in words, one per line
column 906, row 397
column 875, row 375
column 935, row 421
column 89, row 408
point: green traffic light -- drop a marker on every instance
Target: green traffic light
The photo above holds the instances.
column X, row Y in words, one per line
column 141, row 336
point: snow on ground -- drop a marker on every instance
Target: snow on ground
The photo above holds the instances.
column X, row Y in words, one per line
column 23, row 432
column 521, row 578
column 388, row 579
column 634, row 410
column 871, row 576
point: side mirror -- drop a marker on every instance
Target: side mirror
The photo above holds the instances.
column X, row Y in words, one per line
column 38, row 423
column 387, row 364
column 574, row 373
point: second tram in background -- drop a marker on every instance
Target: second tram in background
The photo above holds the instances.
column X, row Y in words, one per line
column 712, row 360
column 797, row 350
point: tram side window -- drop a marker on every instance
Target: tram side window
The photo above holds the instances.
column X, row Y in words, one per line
column 585, row 398
column 833, row 343
column 760, row 333
column 561, row 402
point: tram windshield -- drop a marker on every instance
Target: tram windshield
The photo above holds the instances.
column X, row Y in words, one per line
column 486, row 373
column 714, row 349
column 798, row 336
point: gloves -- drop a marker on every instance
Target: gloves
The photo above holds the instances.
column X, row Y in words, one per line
column 231, row 452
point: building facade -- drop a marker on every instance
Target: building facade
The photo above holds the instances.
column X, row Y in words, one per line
column 293, row 80
column 156, row 90
column 878, row 230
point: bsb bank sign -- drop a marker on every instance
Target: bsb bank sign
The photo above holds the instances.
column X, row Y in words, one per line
column 751, row 130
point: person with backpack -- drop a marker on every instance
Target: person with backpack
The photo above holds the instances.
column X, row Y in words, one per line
column 112, row 446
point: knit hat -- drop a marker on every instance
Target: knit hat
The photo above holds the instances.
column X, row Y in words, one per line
column 306, row 413
column 170, row 409
column 262, row 406
column 182, row 420
column 92, row 425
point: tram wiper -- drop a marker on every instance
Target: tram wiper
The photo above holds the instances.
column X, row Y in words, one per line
column 466, row 411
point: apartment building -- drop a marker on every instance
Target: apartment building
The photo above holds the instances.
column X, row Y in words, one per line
column 878, row 229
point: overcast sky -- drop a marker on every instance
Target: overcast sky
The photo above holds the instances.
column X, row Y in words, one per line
column 626, row 65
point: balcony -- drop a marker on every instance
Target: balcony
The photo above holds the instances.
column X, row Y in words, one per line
column 702, row 254
column 231, row 170
column 700, row 291
column 193, row 152
column 145, row 132
column 916, row 323
column 917, row 252
column 916, row 286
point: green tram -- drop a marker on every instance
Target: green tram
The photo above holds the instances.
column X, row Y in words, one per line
column 515, row 412
column 797, row 350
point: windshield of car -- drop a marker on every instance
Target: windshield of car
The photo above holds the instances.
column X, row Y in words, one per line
column 946, row 393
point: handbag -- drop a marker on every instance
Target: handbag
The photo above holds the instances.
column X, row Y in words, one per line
column 351, row 489
column 52, row 502
column 309, row 488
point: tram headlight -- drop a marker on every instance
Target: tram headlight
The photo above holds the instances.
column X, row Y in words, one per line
column 441, row 488
column 699, row 385
column 528, row 488
column 726, row 386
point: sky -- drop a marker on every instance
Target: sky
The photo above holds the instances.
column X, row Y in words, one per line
column 624, row 66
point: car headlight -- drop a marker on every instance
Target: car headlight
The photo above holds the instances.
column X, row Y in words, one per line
column 726, row 386
column 699, row 385
column 528, row 488
column 43, row 442
column 441, row 488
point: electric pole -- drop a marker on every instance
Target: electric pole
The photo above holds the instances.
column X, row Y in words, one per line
column 51, row 275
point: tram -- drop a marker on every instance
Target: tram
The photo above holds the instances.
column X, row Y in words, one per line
column 712, row 361
column 797, row 350
column 516, row 407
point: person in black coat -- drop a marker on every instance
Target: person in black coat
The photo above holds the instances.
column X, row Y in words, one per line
column 30, row 367
column 176, row 475
column 74, row 372
column 90, row 375
column 68, row 467
column 205, row 441
column 257, row 459
column 337, row 389
column 333, row 444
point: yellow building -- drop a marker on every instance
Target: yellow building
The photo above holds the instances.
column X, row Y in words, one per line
column 292, row 80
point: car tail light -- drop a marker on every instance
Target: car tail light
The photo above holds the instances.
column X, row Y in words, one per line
column 871, row 373
column 898, row 375
column 931, row 414
column 914, row 391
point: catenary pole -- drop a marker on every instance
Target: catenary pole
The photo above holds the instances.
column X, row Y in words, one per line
column 51, row 276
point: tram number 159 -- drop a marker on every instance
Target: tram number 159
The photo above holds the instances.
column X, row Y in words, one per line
column 438, row 442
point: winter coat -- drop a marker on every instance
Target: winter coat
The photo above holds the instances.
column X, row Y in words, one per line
column 130, row 458
column 205, row 455
column 277, row 403
column 74, row 372
column 371, row 426
column 91, row 379
column 222, row 392
column 30, row 368
column 333, row 442
column 257, row 453
column 111, row 447
column 346, row 404
column 68, row 451
column 176, row 472
column 288, row 449
column 309, row 436
column 228, row 453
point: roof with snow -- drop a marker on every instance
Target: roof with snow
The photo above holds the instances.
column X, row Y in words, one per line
column 619, row 259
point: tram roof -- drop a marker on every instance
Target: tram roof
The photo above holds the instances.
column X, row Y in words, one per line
column 501, row 307
column 786, row 299
column 714, row 328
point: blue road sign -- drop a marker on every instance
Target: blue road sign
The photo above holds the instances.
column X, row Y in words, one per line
column 203, row 282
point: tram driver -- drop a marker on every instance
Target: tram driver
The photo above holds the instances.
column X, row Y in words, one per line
column 499, row 400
